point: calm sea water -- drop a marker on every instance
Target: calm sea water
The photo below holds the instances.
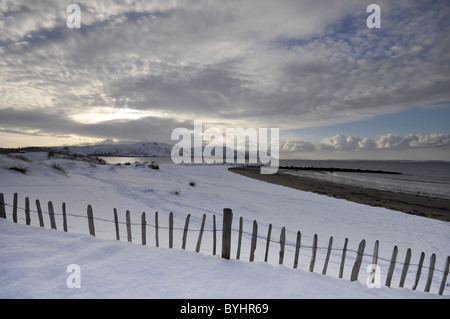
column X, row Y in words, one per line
column 431, row 178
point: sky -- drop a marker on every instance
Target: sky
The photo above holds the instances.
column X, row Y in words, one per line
column 136, row 70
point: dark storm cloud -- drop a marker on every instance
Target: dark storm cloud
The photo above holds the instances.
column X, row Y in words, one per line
column 39, row 123
column 287, row 64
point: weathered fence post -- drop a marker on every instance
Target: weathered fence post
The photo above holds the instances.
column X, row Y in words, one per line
column 344, row 253
column 64, row 217
column 327, row 258
column 297, row 249
column 374, row 262
column 254, row 239
column 156, row 230
column 27, row 211
column 51, row 214
column 15, row 208
column 391, row 267
column 144, row 229
column 2, row 206
column 241, row 225
column 282, row 244
column 200, row 235
column 269, row 232
column 128, row 222
column 116, row 223
column 313, row 254
column 419, row 271
column 171, row 230
column 90, row 216
column 185, row 230
column 430, row 272
column 226, row 233
column 41, row 219
column 444, row 276
column 214, row 235
column 358, row 261
column 405, row 268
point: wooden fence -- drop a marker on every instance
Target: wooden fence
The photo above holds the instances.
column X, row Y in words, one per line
column 227, row 230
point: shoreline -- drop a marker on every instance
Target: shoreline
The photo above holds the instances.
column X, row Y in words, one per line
column 429, row 207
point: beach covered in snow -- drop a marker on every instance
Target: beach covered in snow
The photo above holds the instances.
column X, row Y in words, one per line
column 115, row 269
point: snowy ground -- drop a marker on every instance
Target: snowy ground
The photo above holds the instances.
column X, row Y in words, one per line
column 34, row 265
column 36, row 259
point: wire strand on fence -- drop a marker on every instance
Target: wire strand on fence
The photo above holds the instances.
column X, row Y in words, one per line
column 287, row 243
column 110, row 221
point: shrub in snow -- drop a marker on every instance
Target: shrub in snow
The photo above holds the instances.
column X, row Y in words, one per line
column 58, row 167
column 51, row 154
column 20, row 157
column 22, row 170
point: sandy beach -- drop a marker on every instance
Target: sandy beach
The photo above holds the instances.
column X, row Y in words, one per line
column 430, row 207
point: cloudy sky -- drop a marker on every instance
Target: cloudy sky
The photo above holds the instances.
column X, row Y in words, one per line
column 136, row 70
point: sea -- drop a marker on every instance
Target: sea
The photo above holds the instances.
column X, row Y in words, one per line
column 427, row 178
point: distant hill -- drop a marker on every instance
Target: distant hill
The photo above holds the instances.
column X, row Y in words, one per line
column 135, row 149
